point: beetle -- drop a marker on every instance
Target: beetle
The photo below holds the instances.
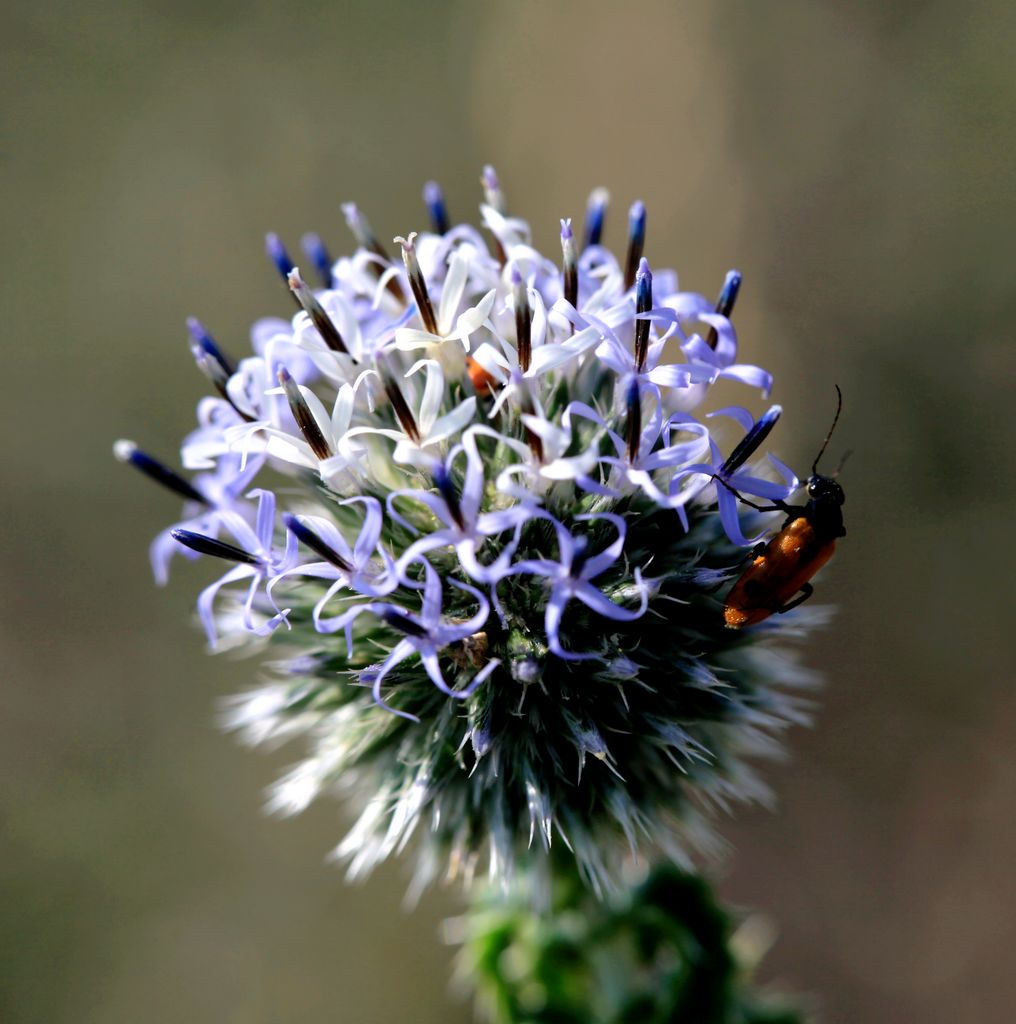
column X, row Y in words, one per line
column 779, row 574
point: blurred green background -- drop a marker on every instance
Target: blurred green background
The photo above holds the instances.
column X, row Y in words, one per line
column 853, row 160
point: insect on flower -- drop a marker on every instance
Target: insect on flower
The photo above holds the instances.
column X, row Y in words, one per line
column 784, row 567
column 476, row 517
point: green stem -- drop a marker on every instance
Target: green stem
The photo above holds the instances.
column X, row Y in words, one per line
column 658, row 953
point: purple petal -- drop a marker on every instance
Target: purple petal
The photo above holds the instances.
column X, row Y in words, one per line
column 609, row 555
column 370, row 531
column 433, row 667
column 738, row 413
column 673, row 375
column 536, row 567
column 206, row 599
column 600, row 603
column 496, row 570
column 758, row 487
column 728, row 506
column 400, row 652
column 552, row 622
column 753, row 376
column 787, row 473
column 726, row 344
column 265, row 527
column 474, row 623
column 431, row 612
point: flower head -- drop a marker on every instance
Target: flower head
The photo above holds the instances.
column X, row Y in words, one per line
column 495, row 586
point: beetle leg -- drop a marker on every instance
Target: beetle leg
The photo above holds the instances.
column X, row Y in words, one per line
column 780, row 506
column 806, row 591
column 758, row 549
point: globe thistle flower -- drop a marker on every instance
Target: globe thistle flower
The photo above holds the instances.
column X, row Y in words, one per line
column 487, row 548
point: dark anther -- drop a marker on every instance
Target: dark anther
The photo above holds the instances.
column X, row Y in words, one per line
column 321, row 320
column 636, row 240
column 216, row 548
column 366, row 239
column 402, row 622
column 128, row 451
column 308, row 537
column 751, row 441
column 399, row 404
column 278, row 255
column 316, row 252
column 206, row 343
column 569, row 265
column 643, row 304
column 492, row 191
column 434, row 198
column 304, row 417
column 494, row 197
column 596, row 211
column 724, row 304
column 417, row 282
column 728, row 293
column 213, row 364
column 533, row 439
column 362, row 232
column 450, row 495
column 523, row 319
column 634, row 434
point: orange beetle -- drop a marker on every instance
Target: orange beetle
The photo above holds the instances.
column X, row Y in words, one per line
column 484, row 383
column 777, row 579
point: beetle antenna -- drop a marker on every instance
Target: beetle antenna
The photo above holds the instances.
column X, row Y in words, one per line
column 846, row 455
column 821, row 451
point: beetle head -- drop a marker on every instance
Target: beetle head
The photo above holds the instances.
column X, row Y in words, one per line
column 825, row 490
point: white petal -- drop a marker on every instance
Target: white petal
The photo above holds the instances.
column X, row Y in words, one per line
column 451, row 423
column 473, row 319
column 453, row 289
column 433, row 393
column 408, row 339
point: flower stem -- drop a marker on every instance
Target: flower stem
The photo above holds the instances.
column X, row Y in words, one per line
column 660, row 951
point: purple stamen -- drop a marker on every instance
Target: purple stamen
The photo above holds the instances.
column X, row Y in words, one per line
column 434, row 198
column 362, row 232
column 204, row 545
column 636, row 240
column 596, row 212
column 450, row 495
column 128, row 452
column 634, row 435
column 724, row 304
column 728, row 293
column 569, row 268
column 643, row 304
column 492, row 190
column 278, row 255
column 751, row 441
column 493, row 196
column 202, row 339
column 366, row 239
column 213, row 364
column 317, row 253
